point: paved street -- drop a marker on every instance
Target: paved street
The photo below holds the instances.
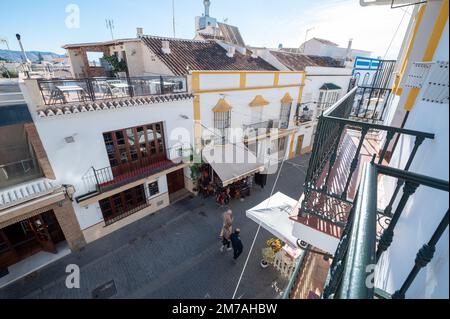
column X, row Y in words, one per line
column 172, row 254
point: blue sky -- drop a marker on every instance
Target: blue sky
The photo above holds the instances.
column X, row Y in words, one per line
column 262, row 22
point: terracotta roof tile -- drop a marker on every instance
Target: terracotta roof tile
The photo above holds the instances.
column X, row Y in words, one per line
column 298, row 62
column 203, row 55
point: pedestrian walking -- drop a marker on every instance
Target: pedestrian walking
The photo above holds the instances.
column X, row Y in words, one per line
column 227, row 221
column 226, row 238
column 236, row 243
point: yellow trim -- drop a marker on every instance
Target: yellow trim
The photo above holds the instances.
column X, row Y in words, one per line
column 250, row 89
column 300, row 92
column 436, row 35
column 276, row 79
column 287, row 99
column 195, row 82
column 259, row 101
column 243, row 80
column 433, row 43
column 197, row 124
column 222, row 106
column 418, row 20
column 291, row 147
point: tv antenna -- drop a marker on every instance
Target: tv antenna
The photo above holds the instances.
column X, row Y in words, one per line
column 173, row 17
column 110, row 27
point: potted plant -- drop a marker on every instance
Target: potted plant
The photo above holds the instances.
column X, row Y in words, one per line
column 274, row 245
column 119, row 66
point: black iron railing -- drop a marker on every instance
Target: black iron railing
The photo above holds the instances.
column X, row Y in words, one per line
column 332, row 165
column 358, row 249
column 256, row 129
column 370, row 104
column 63, row 91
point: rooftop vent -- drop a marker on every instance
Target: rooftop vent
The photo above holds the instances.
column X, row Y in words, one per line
column 165, row 47
column 231, row 51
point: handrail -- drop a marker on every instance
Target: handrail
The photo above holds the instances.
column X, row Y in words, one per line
column 293, row 280
column 362, row 252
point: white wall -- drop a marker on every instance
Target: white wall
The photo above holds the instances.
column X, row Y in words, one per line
column 70, row 162
column 426, row 207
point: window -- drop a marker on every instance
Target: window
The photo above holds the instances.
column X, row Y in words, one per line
column 153, row 188
column 122, row 204
column 94, row 58
column 222, row 122
column 285, row 113
column 326, row 99
column 136, row 146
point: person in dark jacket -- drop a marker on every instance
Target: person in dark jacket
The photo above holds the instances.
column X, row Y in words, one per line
column 236, row 243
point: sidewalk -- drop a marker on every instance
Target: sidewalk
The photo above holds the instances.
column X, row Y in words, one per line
column 172, row 254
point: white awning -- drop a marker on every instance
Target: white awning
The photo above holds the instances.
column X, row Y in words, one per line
column 273, row 215
column 232, row 162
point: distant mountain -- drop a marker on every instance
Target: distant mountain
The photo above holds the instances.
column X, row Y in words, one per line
column 16, row 56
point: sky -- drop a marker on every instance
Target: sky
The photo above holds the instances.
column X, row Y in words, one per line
column 268, row 23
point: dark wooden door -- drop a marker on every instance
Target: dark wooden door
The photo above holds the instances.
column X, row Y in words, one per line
column 175, row 181
column 299, row 145
column 42, row 234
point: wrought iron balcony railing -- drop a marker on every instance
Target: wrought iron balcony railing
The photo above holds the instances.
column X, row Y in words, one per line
column 332, row 165
column 63, row 91
column 361, row 244
column 256, row 129
column 97, row 181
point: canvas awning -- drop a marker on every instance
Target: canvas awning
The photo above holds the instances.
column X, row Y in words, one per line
column 232, row 162
column 273, row 215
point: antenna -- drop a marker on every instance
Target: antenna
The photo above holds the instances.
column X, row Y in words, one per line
column 110, row 26
column 173, row 18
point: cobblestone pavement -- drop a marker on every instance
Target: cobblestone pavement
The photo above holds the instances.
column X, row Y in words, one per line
column 172, row 254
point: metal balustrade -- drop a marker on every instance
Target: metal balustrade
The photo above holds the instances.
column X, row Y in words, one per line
column 64, row 91
column 358, row 247
column 329, row 154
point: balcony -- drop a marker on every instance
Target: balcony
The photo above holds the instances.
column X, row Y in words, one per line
column 349, row 135
column 66, row 91
column 19, row 172
column 98, row 181
column 253, row 131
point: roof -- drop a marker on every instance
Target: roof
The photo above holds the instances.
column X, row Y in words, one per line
column 326, row 42
column 26, row 191
column 203, row 56
column 90, row 44
column 298, row 62
column 67, row 109
column 330, row 86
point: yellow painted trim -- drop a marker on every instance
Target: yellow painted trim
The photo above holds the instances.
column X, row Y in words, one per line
column 197, row 123
column 222, row 106
column 436, row 35
column 432, row 45
column 195, row 82
column 276, row 79
column 287, row 99
column 259, row 101
column 396, row 89
column 247, row 72
column 291, row 147
column 300, row 92
column 250, row 89
column 243, row 80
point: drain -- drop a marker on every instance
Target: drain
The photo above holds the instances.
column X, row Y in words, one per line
column 105, row 291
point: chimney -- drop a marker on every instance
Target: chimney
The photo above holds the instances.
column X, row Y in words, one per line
column 231, row 51
column 165, row 47
column 349, row 50
column 139, row 32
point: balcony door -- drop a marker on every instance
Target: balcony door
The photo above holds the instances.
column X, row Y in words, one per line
column 135, row 148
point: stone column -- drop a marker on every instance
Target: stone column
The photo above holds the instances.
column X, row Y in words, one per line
column 67, row 219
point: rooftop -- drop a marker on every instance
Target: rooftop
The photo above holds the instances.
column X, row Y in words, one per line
column 203, row 56
column 298, row 62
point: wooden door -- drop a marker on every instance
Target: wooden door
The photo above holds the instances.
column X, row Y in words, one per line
column 175, row 181
column 299, row 145
column 42, row 235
